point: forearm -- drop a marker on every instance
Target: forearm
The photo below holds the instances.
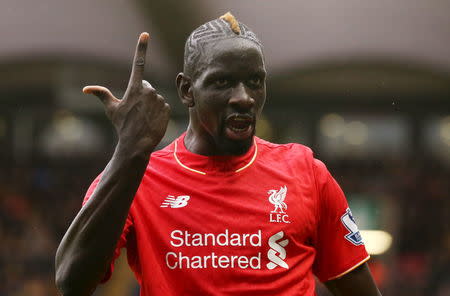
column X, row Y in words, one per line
column 87, row 248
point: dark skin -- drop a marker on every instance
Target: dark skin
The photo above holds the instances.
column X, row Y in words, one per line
column 231, row 85
column 357, row 282
column 140, row 119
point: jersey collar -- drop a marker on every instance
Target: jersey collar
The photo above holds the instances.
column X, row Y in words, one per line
column 205, row 165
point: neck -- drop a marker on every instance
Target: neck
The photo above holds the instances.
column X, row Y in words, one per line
column 198, row 144
column 204, row 144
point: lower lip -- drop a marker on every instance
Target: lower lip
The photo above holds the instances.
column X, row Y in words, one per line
column 239, row 134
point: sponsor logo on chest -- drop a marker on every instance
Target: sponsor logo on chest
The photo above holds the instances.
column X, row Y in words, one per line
column 185, row 240
column 221, row 245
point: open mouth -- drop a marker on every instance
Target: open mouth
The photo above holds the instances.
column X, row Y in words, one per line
column 239, row 126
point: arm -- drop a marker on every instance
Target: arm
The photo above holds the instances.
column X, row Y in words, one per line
column 140, row 119
column 340, row 250
column 355, row 283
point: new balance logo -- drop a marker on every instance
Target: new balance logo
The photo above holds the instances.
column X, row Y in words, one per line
column 175, row 202
column 277, row 253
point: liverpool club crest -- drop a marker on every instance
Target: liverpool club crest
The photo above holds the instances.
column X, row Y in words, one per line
column 276, row 197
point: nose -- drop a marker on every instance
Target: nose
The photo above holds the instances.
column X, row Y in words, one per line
column 241, row 98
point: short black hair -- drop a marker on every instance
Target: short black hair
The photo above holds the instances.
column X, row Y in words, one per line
column 218, row 29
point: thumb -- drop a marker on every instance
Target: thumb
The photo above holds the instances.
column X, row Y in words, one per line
column 100, row 92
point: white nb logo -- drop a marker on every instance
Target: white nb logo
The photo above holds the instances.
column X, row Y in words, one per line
column 277, row 260
column 178, row 202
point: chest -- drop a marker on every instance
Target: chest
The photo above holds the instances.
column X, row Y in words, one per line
column 263, row 201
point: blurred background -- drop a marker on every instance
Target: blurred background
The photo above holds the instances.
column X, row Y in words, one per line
column 366, row 84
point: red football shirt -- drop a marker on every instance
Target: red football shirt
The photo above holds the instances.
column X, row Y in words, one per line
column 259, row 224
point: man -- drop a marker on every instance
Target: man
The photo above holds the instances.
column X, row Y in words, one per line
column 219, row 211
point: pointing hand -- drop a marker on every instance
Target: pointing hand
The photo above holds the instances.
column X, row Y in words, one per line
column 141, row 116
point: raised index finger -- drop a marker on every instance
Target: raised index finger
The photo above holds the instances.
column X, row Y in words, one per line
column 137, row 71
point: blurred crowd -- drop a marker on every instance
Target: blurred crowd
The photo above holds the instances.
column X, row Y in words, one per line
column 416, row 193
column 37, row 204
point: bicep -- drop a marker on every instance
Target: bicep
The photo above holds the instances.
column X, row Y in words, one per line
column 355, row 283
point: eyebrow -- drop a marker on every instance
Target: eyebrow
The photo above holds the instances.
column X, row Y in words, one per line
column 224, row 73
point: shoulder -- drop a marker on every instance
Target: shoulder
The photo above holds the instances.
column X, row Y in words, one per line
column 161, row 158
column 164, row 152
column 294, row 158
column 292, row 152
column 288, row 149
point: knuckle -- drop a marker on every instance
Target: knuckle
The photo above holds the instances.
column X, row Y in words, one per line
column 146, row 84
column 99, row 93
column 148, row 90
column 140, row 61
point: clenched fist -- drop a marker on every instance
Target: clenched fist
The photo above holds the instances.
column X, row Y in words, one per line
column 141, row 116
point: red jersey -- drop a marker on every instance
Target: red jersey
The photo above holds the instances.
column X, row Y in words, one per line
column 263, row 223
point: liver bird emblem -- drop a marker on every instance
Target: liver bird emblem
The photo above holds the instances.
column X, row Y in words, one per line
column 277, row 199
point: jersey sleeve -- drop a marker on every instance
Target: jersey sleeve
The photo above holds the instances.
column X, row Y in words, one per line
column 122, row 242
column 339, row 245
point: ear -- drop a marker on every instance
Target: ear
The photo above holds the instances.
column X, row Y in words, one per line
column 184, row 87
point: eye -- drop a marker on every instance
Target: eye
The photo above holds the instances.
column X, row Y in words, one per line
column 221, row 82
column 255, row 81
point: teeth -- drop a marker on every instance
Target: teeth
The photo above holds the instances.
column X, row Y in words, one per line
column 239, row 124
column 238, row 129
column 238, row 117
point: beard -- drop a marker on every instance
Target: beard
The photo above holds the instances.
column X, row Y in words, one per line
column 229, row 146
